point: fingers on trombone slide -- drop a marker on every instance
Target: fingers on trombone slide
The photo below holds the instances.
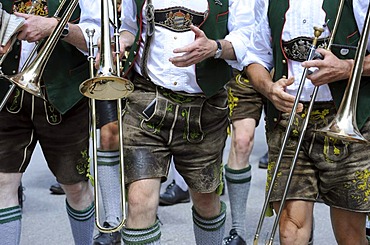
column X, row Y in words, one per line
column 317, row 56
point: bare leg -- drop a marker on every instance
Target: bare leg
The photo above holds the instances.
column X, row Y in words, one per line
column 348, row 227
column 296, row 222
column 143, row 196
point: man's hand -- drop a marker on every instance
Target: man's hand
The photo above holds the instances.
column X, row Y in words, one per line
column 4, row 49
column 125, row 41
column 330, row 68
column 282, row 100
column 36, row 27
column 197, row 51
column 274, row 91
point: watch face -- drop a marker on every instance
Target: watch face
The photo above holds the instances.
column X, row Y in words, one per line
column 65, row 31
column 219, row 50
column 218, row 53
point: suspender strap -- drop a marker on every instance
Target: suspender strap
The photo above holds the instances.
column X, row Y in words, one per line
column 149, row 14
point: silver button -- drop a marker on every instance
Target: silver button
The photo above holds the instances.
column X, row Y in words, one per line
column 344, row 51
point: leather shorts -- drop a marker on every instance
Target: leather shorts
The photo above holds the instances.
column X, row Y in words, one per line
column 159, row 124
column 335, row 171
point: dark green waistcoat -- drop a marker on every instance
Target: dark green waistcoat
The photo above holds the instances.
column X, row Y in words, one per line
column 347, row 34
column 212, row 74
column 66, row 69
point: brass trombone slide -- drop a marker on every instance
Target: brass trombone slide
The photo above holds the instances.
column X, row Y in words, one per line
column 311, row 56
column 107, row 85
column 29, row 78
column 29, row 58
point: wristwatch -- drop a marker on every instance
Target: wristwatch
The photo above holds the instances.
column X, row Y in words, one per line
column 65, row 31
column 219, row 50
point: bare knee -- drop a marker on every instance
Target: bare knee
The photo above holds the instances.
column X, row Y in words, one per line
column 109, row 136
column 207, row 205
column 289, row 230
column 9, row 183
column 243, row 144
column 143, row 196
column 79, row 195
column 296, row 222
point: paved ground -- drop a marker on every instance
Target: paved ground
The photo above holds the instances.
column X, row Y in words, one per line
column 45, row 221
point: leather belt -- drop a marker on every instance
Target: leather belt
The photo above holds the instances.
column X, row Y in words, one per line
column 298, row 48
column 178, row 19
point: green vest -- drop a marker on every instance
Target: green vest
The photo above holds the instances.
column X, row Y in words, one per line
column 212, row 74
column 347, row 34
column 66, row 68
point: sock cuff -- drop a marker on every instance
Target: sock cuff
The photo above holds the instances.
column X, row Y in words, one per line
column 82, row 215
column 210, row 224
column 239, row 176
column 10, row 214
column 108, row 157
column 141, row 236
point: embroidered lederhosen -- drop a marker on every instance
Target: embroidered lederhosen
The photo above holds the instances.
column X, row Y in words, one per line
column 14, row 104
column 177, row 19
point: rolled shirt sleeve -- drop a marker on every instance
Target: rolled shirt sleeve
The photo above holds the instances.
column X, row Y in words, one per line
column 240, row 25
column 128, row 18
column 259, row 49
column 90, row 18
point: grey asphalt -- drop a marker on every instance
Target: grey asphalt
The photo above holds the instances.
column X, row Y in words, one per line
column 45, row 221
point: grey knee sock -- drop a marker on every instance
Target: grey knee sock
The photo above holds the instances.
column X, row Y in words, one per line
column 82, row 224
column 110, row 183
column 209, row 231
column 238, row 184
column 147, row 236
column 10, row 225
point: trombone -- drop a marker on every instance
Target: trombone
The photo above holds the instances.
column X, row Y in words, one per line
column 29, row 78
column 344, row 125
column 107, row 85
column 33, row 52
column 311, row 55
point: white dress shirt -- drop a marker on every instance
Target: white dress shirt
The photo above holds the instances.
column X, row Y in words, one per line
column 164, row 73
column 298, row 23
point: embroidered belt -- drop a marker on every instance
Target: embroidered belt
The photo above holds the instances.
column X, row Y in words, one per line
column 298, row 48
column 23, row 6
column 178, row 19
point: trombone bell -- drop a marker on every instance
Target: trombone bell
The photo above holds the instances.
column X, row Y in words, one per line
column 28, row 81
column 343, row 130
column 106, row 87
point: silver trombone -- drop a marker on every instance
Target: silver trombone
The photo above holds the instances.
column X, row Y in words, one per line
column 311, row 56
column 107, row 85
column 344, row 124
